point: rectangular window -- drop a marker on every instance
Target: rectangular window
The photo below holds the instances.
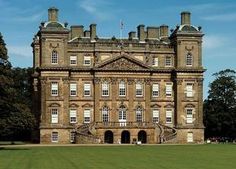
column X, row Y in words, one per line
column 168, row 116
column 139, row 90
column 54, row 137
column 189, row 137
column 155, row 90
column 54, row 57
column 54, row 89
column 72, row 137
column 54, row 115
column 87, row 116
column 73, row 89
column 87, row 60
column 168, row 90
column 87, row 89
column 73, row 60
column 168, row 61
column 122, row 91
column 155, row 61
column 189, row 90
column 73, row 116
column 105, row 89
column 189, row 115
column 155, row 116
column 189, row 60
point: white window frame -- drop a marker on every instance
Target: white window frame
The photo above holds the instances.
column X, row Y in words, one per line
column 73, row 116
column 168, row 61
column 139, row 89
column 72, row 136
column 189, row 59
column 54, row 137
column 105, row 89
column 155, row 90
column 87, row 60
column 190, row 137
column 73, row 60
column 54, row 88
column 87, row 89
column 139, row 114
column 122, row 89
column 169, row 89
column 189, row 90
column 54, row 57
column 122, row 113
column 169, row 115
column 54, row 115
column 105, row 114
column 87, row 115
column 73, row 89
column 155, row 61
column 155, row 115
column 189, row 115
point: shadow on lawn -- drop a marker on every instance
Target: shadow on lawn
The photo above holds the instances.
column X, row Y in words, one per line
column 13, row 148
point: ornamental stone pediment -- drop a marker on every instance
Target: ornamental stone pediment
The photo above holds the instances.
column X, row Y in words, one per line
column 122, row 63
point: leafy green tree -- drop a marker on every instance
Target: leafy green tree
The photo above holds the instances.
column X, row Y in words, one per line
column 16, row 119
column 220, row 106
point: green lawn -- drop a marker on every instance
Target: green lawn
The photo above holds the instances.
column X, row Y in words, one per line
column 120, row 157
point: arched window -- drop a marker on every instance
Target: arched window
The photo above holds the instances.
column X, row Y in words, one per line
column 189, row 59
column 122, row 113
column 54, row 57
column 105, row 114
column 139, row 114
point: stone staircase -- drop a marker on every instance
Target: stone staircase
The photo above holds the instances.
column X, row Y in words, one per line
column 168, row 134
column 86, row 134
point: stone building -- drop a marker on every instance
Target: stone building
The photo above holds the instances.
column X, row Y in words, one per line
column 147, row 87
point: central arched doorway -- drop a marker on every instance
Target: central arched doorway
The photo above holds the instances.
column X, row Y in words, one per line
column 108, row 137
column 125, row 137
column 142, row 136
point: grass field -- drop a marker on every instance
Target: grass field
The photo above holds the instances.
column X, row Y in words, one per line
column 120, row 157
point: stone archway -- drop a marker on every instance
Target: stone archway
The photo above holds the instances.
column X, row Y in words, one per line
column 125, row 137
column 142, row 136
column 108, row 137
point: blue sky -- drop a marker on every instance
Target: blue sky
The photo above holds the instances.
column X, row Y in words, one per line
column 20, row 20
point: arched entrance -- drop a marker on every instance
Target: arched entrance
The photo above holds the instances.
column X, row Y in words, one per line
column 142, row 136
column 125, row 137
column 108, row 137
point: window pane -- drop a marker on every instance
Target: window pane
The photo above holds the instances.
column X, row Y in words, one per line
column 87, row 60
column 189, row 60
column 168, row 61
column 54, row 115
column 54, row 57
column 73, row 60
column 73, row 116
column 54, row 88
column 73, row 89
column 155, row 90
column 105, row 89
column 122, row 91
column 168, row 116
column 54, row 137
column 87, row 116
column 155, row 115
column 87, row 89
column 168, row 90
column 139, row 89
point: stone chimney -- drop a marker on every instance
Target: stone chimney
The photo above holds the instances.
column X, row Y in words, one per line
column 164, row 31
column 93, row 31
column 87, row 33
column 77, row 31
column 141, row 32
column 185, row 18
column 132, row 35
column 152, row 32
column 53, row 14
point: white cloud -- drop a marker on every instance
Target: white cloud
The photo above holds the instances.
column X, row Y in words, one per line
column 23, row 51
column 221, row 17
column 98, row 9
column 214, row 41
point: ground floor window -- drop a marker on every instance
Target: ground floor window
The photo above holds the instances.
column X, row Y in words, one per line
column 72, row 137
column 190, row 137
column 54, row 137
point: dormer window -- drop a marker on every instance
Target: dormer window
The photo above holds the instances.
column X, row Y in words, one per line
column 189, row 59
column 54, row 57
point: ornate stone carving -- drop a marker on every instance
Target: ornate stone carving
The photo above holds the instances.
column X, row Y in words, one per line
column 200, row 81
column 130, row 81
column 113, row 80
column 122, row 64
column 179, row 81
column 147, row 81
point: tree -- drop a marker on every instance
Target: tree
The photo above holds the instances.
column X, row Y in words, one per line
column 220, row 106
column 16, row 119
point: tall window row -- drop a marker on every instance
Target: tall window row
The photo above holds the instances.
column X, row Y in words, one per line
column 122, row 89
